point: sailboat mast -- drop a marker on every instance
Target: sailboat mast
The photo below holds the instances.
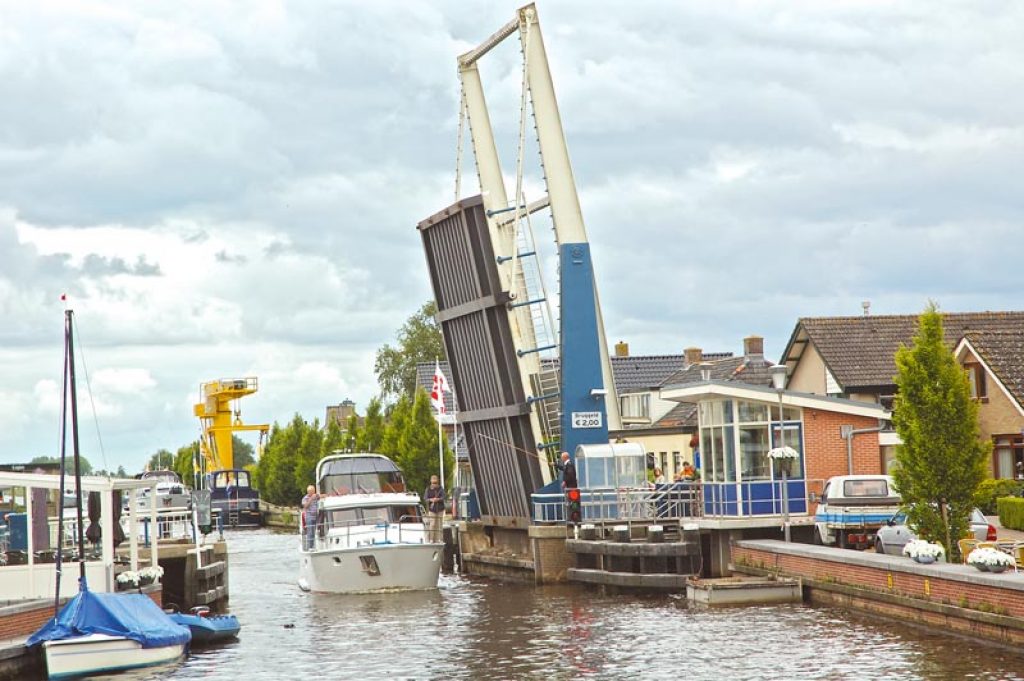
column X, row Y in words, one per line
column 59, row 558
column 68, row 324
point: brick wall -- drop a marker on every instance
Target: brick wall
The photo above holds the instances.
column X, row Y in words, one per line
column 825, row 449
column 909, row 584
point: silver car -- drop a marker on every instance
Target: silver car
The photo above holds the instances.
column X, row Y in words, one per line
column 893, row 536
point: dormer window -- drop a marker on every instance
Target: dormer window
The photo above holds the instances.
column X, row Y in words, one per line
column 976, row 378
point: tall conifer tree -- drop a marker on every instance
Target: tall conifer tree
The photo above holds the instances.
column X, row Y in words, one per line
column 941, row 461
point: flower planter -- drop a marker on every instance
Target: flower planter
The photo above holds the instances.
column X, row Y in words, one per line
column 997, row 568
column 924, row 560
column 981, row 567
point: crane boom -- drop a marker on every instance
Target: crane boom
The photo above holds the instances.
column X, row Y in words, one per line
column 219, row 421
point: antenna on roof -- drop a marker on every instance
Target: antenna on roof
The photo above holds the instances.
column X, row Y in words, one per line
column 867, row 307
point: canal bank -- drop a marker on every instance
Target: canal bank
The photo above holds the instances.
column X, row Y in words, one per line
column 949, row 597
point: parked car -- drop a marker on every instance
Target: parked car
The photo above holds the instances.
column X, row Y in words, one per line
column 896, row 533
column 852, row 507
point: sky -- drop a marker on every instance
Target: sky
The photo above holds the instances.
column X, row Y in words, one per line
column 232, row 189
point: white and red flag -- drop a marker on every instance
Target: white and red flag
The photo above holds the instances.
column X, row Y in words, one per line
column 438, row 390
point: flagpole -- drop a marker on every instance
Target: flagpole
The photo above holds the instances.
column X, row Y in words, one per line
column 440, row 448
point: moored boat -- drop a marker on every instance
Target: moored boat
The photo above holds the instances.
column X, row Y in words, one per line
column 369, row 533
column 99, row 632
column 233, row 498
column 207, row 627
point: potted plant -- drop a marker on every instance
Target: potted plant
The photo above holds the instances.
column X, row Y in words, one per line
column 990, row 560
column 922, row 551
column 150, row 574
column 128, row 580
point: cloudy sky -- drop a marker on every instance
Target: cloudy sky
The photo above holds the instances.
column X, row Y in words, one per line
column 231, row 189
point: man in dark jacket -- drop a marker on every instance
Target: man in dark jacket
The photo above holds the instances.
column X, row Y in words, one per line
column 434, row 496
column 568, row 469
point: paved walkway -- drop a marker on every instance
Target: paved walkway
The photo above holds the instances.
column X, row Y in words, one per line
column 1002, row 532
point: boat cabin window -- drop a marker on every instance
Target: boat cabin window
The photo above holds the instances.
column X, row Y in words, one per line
column 343, row 517
column 360, row 475
column 229, row 478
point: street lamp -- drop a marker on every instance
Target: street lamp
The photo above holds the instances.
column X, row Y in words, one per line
column 779, row 383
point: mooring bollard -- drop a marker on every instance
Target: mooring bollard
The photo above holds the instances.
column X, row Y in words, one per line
column 656, row 534
column 620, row 533
column 588, row 532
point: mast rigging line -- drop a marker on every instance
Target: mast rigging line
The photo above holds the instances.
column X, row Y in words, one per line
column 510, row 446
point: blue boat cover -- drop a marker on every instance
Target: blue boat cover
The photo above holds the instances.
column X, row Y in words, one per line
column 133, row 616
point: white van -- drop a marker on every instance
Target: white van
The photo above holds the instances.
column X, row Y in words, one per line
column 852, row 508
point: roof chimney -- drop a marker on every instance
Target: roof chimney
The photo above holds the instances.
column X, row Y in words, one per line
column 622, row 349
column 867, row 307
column 753, row 348
column 692, row 356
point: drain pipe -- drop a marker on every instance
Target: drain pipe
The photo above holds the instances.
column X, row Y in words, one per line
column 848, row 433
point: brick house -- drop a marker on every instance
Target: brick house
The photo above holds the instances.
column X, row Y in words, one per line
column 995, row 364
column 854, row 358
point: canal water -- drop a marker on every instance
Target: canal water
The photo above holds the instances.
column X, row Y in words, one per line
column 479, row 629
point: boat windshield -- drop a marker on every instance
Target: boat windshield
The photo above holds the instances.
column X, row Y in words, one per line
column 361, row 475
column 235, row 478
column 345, row 517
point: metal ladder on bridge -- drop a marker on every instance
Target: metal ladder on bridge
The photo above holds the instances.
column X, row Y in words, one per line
column 529, row 281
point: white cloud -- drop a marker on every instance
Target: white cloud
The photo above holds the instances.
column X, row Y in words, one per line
column 234, row 191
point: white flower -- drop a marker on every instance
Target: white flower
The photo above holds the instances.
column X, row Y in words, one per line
column 128, row 577
column 153, row 572
column 989, row 557
column 919, row 548
column 783, row 453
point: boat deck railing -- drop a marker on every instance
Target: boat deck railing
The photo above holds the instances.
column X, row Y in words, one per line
column 408, row 529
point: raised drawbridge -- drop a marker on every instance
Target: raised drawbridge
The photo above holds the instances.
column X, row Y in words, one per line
column 527, row 386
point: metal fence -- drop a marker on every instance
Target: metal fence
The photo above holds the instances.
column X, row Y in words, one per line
column 681, row 500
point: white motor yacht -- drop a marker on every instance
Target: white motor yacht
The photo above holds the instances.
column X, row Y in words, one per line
column 369, row 534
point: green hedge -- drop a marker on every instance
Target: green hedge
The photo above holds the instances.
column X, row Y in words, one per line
column 992, row 489
column 1011, row 513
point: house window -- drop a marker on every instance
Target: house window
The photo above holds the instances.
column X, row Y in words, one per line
column 635, row 406
column 976, row 377
column 1008, row 455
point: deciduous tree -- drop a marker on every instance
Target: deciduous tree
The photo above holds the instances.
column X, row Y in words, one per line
column 372, row 433
column 419, row 340
column 418, row 454
column 941, row 461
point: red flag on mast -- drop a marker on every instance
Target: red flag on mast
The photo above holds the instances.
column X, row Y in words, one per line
column 439, row 388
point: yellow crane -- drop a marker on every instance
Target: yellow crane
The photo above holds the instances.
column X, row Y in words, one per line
column 219, row 421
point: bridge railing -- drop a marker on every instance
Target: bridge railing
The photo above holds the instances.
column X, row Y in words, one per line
column 681, row 500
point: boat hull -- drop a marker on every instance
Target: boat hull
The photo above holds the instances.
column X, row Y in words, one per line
column 99, row 653
column 372, row 568
column 209, row 629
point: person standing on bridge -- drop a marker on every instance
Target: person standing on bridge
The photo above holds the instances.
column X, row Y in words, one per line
column 434, row 497
column 568, row 469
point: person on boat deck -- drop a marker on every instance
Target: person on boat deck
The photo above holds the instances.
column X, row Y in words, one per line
column 310, row 502
column 435, row 510
column 568, row 469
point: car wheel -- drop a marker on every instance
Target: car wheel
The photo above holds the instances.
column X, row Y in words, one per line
column 878, row 546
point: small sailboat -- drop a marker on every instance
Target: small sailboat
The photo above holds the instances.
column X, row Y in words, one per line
column 100, row 632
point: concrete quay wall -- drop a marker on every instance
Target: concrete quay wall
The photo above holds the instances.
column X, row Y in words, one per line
column 953, row 597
